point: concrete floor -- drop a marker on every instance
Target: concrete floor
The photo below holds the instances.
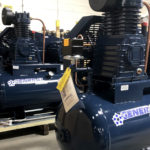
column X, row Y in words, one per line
column 28, row 140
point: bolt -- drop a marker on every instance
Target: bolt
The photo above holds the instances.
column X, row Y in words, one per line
column 139, row 71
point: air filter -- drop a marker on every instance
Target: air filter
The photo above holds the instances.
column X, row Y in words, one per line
column 110, row 5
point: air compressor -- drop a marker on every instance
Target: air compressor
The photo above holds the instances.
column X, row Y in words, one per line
column 28, row 77
column 112, row 80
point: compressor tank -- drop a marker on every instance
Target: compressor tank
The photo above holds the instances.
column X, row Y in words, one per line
column 28, row 92
column 103, row 125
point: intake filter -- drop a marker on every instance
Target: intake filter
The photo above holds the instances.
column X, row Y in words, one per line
column 110, row 5
column 7, row 16
column 102, row 5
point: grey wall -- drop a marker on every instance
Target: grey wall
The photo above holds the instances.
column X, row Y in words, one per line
column 70, row 11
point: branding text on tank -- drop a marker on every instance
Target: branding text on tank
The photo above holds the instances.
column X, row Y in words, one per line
column 36, row 81
column 121, row 117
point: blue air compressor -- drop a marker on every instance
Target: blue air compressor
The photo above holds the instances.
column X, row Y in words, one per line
column 27, row 78
column 112, row 80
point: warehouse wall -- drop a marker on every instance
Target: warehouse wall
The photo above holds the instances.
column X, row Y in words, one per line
column 70, row 11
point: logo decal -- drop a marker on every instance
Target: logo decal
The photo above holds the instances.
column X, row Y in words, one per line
column 121, row 117
column 37, row 81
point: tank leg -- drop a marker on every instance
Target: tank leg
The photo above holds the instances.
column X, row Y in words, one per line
column 44, row 130
column 19, row 113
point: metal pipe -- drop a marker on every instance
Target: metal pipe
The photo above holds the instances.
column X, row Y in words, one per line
column 148, row 38
column 22, row 6
column 44, row 32
column 76, row 77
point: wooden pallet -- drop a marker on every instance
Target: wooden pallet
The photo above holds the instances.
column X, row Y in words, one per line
column 43, row 122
